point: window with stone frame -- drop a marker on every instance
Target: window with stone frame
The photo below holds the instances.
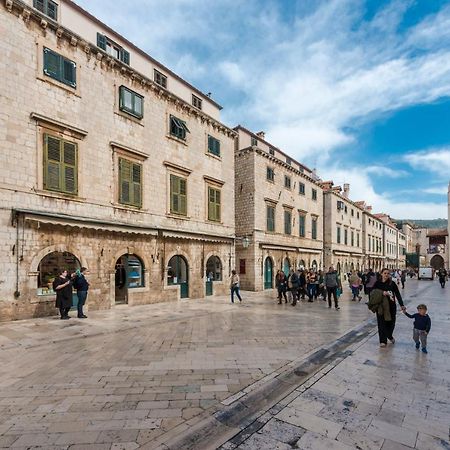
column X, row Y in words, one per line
column 287, row 182
column 178, row 195
column 338, row 234
column 313, row 227
column 302, row 225
column 160, row 78
column 178, row 128
column 270, row 174
column 213, row 145
column 314, row 194
column 47, row 7
column 196, row 102
column 287, row 221
column 131, row 102
column 301, row 188
column 60, row 68
column 130, row 183
column 214, row 204
column 112, row 48
column 60, row 165
column 270, row 218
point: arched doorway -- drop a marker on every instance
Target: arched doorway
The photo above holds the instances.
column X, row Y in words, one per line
column 286, row 266
column 177, row 273
column 213, row 273
column 338, row 267
column 302, row 264
column 50, row 267
column 314, row 265
column 437, row 262
column 268, row 273
column 129, row 275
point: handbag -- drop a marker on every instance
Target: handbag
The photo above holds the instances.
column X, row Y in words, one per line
column 338, row 292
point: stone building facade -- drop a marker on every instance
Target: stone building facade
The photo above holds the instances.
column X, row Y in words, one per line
column 279, row 212
column 343, row 229
column 372, row 239
column 113, row 162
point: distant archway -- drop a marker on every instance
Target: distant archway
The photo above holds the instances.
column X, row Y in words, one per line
column 437, row 262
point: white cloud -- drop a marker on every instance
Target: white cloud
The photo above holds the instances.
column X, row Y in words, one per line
column 436, row 160
column 361, row 188
column 438, row 190
column 383, row 171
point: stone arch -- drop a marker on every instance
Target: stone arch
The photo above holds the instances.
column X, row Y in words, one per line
column 128, row 251
column 56, row 248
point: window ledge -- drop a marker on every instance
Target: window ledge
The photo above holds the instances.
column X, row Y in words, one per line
column 176, row 216
column 174, row 138
column 212, row 155
column 66, row 87
column 214, row 222
column 60, row 195
column 128, row 207
column 129, row 117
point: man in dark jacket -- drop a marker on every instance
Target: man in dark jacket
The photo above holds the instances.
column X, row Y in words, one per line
column 81, row 284
column 332, row 283
column 63, row 288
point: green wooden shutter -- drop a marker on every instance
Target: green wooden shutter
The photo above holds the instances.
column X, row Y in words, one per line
column 137, row 185
column 211, row 204
column 101, row 41
column 39, row 4
column 125, row 56
column 69, row 172
column 69, row 72
column 218, row 205
column 52, row 163
column 124, row 181
column 52, row 10
column 183, row 196
column 52, row 64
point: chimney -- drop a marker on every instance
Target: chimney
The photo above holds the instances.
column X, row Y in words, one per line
column 327, row 185
column 346, row 190
column 369, row 208
column 261, row 134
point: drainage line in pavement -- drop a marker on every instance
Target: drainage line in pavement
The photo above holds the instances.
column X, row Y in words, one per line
column 231, row 421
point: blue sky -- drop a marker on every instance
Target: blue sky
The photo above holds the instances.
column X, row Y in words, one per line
column 358, row 89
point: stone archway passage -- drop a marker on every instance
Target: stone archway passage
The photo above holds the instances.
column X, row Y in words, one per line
column 437, row 262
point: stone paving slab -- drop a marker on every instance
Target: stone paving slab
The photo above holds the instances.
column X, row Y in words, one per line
column 375, row 398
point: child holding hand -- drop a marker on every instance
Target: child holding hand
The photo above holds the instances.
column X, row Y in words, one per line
column 422, row 326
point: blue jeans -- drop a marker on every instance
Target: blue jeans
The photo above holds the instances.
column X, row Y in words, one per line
column 82, row 295
column 312, row 290
column 233, row 290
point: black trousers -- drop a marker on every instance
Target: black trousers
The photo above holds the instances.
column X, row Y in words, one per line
column 331, row 291
column 64, row 311
column 386, row 328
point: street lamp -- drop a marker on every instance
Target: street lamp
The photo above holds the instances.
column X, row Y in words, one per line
column 244, row 239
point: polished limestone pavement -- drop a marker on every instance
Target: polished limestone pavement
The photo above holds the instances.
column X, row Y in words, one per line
column 145, row 376
column 392, row 398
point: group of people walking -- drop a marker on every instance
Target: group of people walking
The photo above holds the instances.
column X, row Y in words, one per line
column 301, row 283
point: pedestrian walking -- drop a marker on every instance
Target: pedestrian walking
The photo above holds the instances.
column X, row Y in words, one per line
column 403, row 278
column 312, row 285
column 281, row 285
column 371, row 279
column 81, row 284
column 293, row 285
column 302, row 282
column 322, row 289
column 390, row 291
column 234, row 286
column 332, row 284
column 442, row 275
column 355, row 282
column 422, row 326
column 63, row 288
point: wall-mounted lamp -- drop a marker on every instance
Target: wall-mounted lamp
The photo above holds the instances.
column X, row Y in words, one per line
column 244, row 239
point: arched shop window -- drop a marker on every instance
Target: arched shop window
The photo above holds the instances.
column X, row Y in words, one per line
column 214, row 269
column 129, row 272
column 50, row 267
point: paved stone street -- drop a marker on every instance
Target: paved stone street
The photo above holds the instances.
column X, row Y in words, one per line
column 391, row 399
column 150, row 376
